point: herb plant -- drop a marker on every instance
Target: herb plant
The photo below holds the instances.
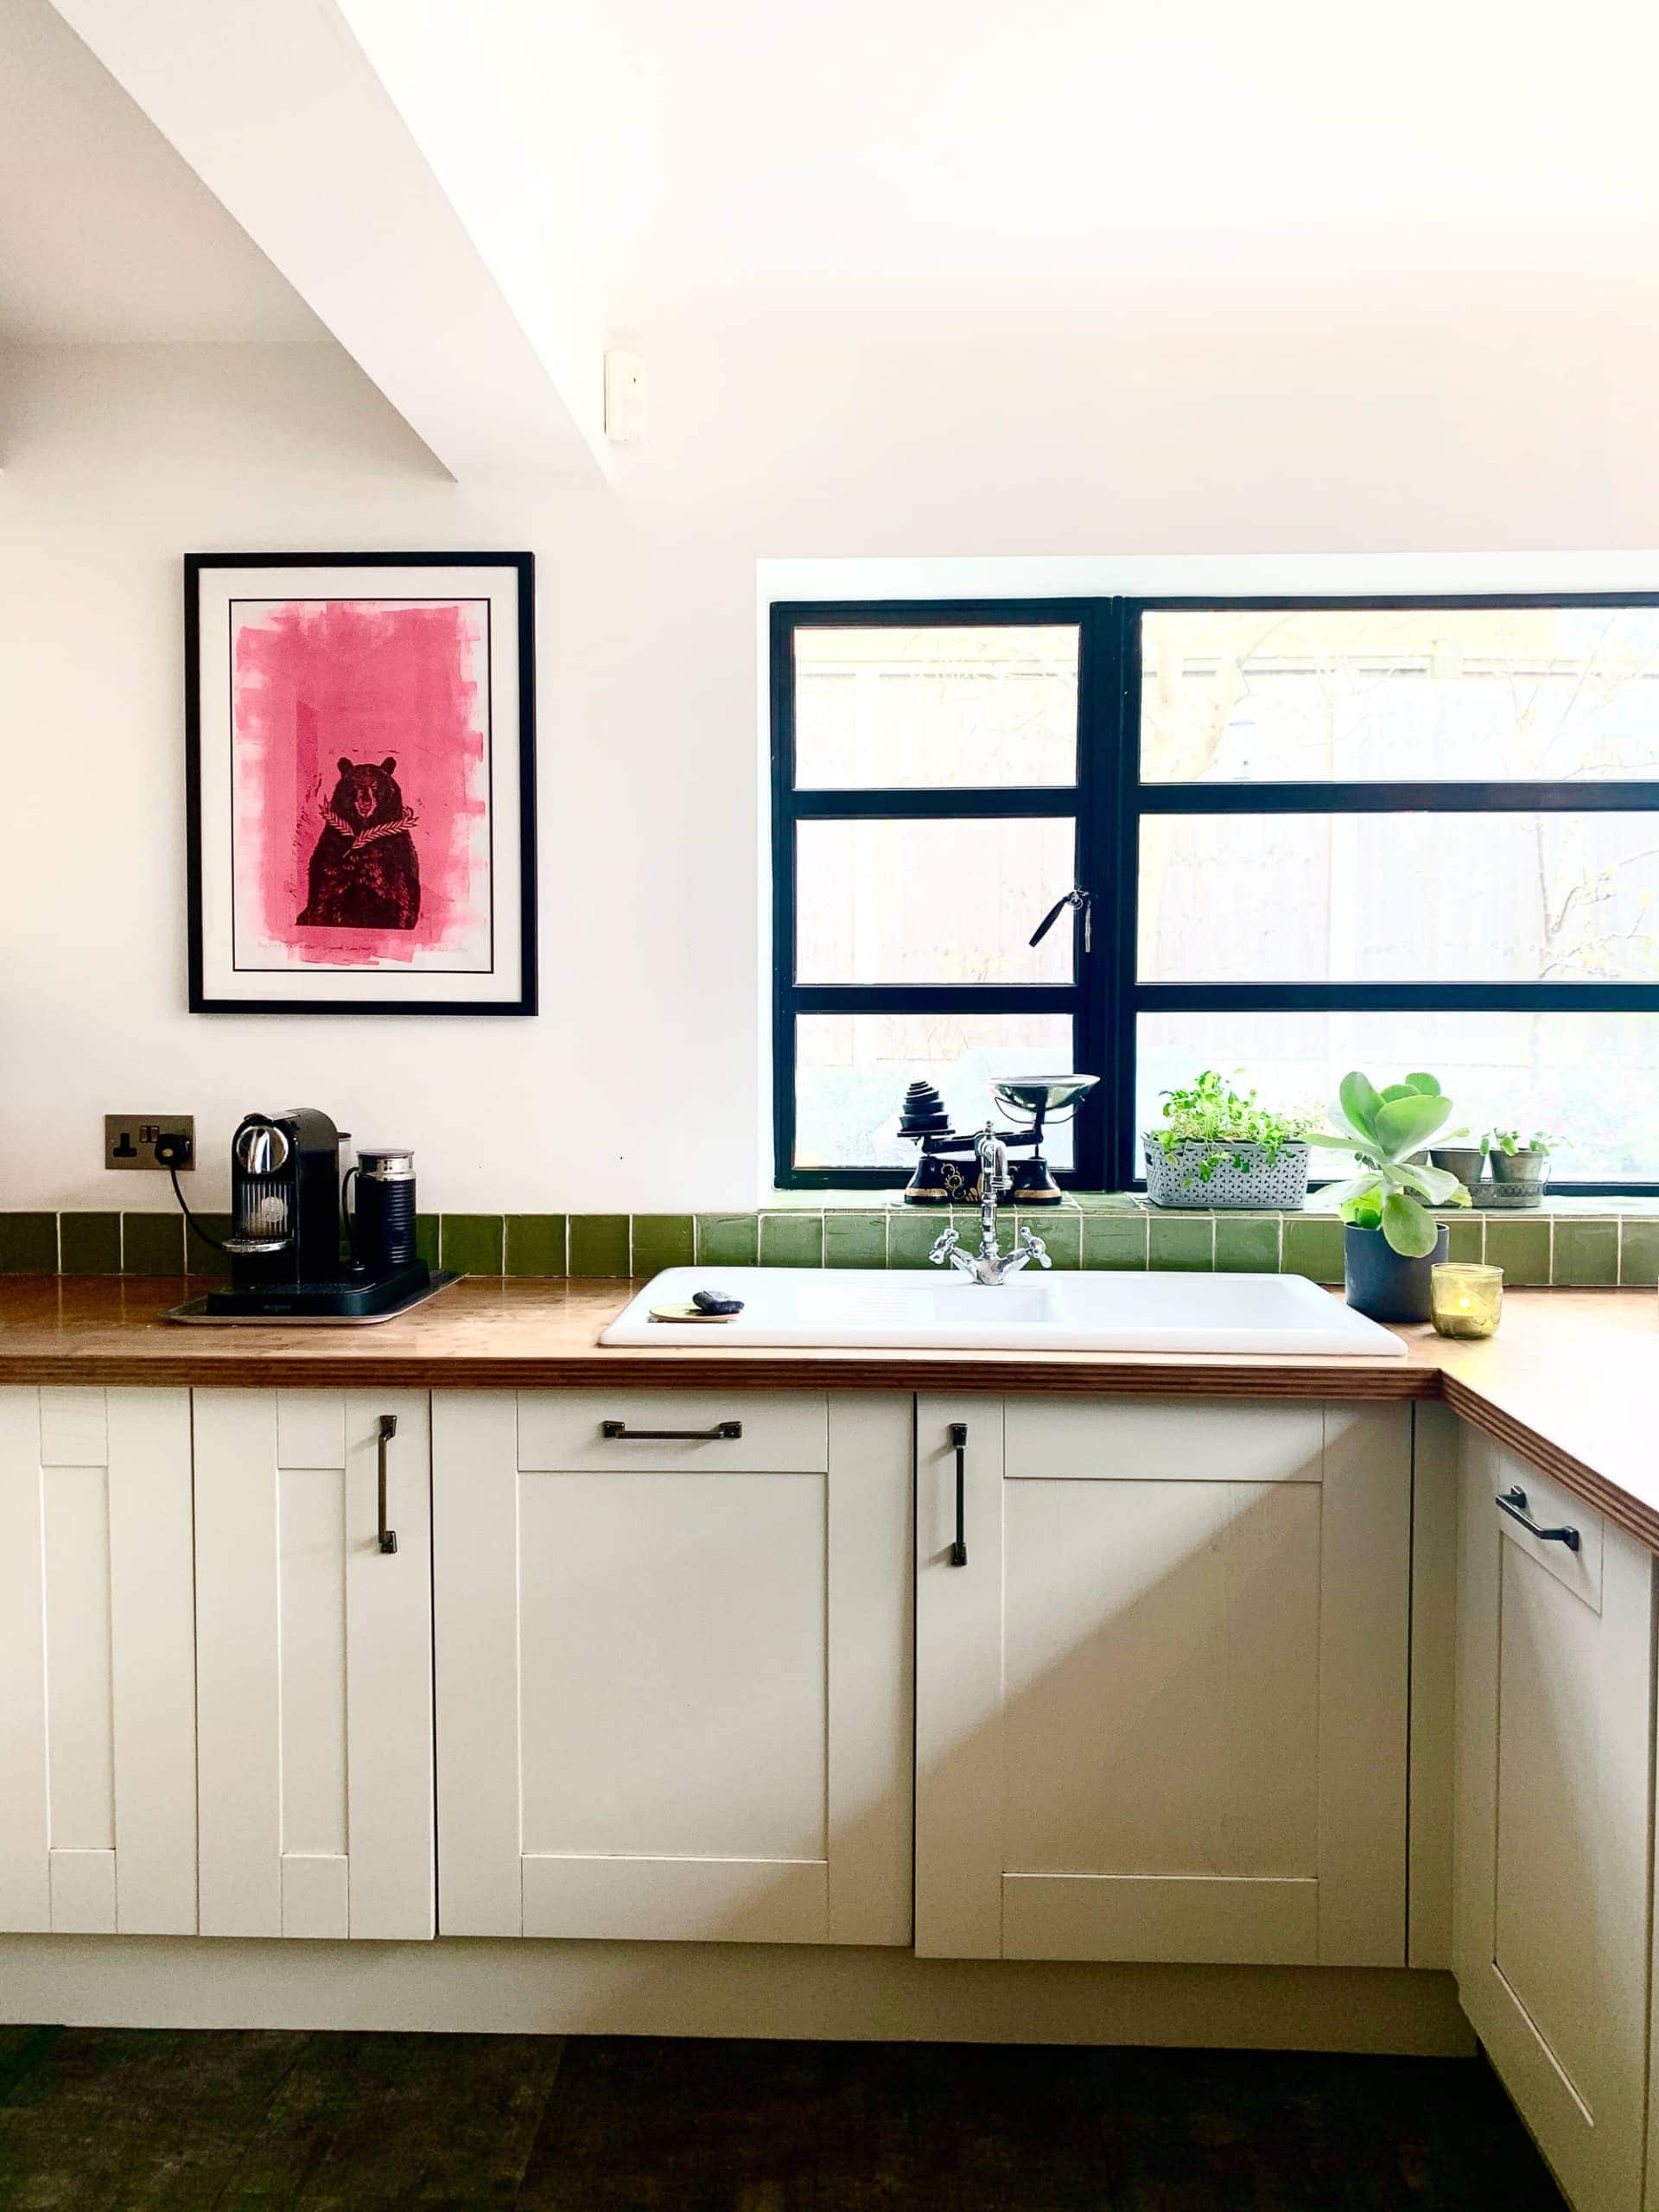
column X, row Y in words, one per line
column 1384, row 1130
column 1510, row 1142
column 1211, row 1113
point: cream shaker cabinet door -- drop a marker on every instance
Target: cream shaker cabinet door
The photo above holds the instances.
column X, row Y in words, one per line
column 98, row 1755
column 1554, row 1796
column 313, row 1664
column 673, row 1677
column 1161, row 1680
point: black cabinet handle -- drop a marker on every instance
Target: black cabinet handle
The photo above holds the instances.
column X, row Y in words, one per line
column 723, row 1432
column 959, row 1445
column 387, row 1429
column 1514, row 1502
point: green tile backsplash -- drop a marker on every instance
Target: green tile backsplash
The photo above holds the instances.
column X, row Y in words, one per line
column 536, row 1244
column 663, row 1240
column 1572, row 1242
column 599, row 1244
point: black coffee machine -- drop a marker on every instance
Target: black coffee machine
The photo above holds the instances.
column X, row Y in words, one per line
column 292, row 1255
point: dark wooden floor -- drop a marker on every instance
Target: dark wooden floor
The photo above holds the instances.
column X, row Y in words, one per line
column 104, row 2121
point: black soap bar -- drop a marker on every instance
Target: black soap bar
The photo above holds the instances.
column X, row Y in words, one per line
column 715, row 1301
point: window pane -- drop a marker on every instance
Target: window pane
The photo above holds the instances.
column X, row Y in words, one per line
column 1390, row 897
column 932, row 902
column 852, row 1071
column 1590, row 1079
column 1412, row 695
column 884, row 708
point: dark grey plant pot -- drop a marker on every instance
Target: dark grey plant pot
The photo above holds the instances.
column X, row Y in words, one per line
column 1384, row 1283
column 1463, row 1160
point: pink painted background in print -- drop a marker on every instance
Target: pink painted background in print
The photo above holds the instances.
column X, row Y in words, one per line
column 317, row 681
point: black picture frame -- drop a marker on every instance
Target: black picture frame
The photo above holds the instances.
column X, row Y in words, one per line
column 200, row 1000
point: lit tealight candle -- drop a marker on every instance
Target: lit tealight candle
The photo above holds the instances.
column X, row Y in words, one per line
column 1466, row 1300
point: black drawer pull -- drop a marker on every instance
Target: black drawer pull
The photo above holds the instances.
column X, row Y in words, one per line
column 723, row 1432
column 959, row 1445
column 383, row 1435
column 1514, row 1502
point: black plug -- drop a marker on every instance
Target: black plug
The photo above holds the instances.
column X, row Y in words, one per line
column 173, row 1149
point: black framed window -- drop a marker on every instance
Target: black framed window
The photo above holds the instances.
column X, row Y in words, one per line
column 1308, row 834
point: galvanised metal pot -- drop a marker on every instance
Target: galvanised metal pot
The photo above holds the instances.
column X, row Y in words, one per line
column 1463, row 1160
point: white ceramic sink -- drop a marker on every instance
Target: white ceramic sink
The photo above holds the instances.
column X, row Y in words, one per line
column 896, row 1309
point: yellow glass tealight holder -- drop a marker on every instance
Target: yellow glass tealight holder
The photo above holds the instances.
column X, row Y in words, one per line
column 1466, row 1300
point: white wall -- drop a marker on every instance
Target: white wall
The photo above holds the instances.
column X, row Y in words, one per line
column 794, row 441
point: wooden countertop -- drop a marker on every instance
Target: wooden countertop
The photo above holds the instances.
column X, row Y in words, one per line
column 1569, row 1383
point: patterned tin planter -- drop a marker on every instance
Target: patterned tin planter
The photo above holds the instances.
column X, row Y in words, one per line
column 1241, row 1175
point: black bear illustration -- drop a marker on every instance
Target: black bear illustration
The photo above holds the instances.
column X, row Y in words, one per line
column 364, row 872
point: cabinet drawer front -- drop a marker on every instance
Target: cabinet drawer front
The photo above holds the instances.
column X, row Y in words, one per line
column 563, row 1432
column 1156, row 1441
column 1552, row 1507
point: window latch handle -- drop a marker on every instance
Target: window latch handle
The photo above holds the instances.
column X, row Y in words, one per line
column 1080, row 900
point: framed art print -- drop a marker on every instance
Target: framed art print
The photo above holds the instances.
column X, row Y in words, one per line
column 360, row 741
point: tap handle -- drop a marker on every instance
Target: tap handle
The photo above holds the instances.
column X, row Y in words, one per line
column 1033, row 1244
column 944, row 1246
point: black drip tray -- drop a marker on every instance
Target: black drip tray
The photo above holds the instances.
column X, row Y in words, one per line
column 322, row 1304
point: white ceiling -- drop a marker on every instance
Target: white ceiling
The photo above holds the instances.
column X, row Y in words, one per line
column 1052, row 158
column 1054, row 155
column 106, row 234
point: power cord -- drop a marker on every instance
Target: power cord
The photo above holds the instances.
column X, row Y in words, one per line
column 173, row 1152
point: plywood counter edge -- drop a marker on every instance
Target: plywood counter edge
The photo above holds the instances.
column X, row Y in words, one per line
column 489, row 1334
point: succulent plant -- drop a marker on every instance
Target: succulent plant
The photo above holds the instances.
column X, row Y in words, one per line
column 1386, row 1130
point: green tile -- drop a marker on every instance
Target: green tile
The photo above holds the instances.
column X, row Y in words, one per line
column 1587, row 1252
column 855, row 1239
column 89, row 1244
column 471, row 1243
column 152, row 1243
column 1247, row 1243
column 599, row 1244
column 1106, row 1201
column 727, row 1239
column 426, row 1238
column 1468, row 1236
column 791, row 1240
column 912, row 1235
column 1115, row 1240
column 28, row 1244
column 1638, row 1251
column 1520, row 1248
column 663, row 1240
column 1313, row 1246
column 1181, row 1240
column 202, row 1254
column 1062, row 1233
column 536, row 1244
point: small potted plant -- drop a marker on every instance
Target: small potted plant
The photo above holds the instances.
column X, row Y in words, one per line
column 1466, row 1161
column 1520, row 1167
column 1390, row 1239
column 1218, row 1147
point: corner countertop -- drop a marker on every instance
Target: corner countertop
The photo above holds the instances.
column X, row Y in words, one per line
column 1569, row 1383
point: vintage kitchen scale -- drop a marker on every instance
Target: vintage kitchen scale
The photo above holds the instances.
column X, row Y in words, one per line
column 947, row 1172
